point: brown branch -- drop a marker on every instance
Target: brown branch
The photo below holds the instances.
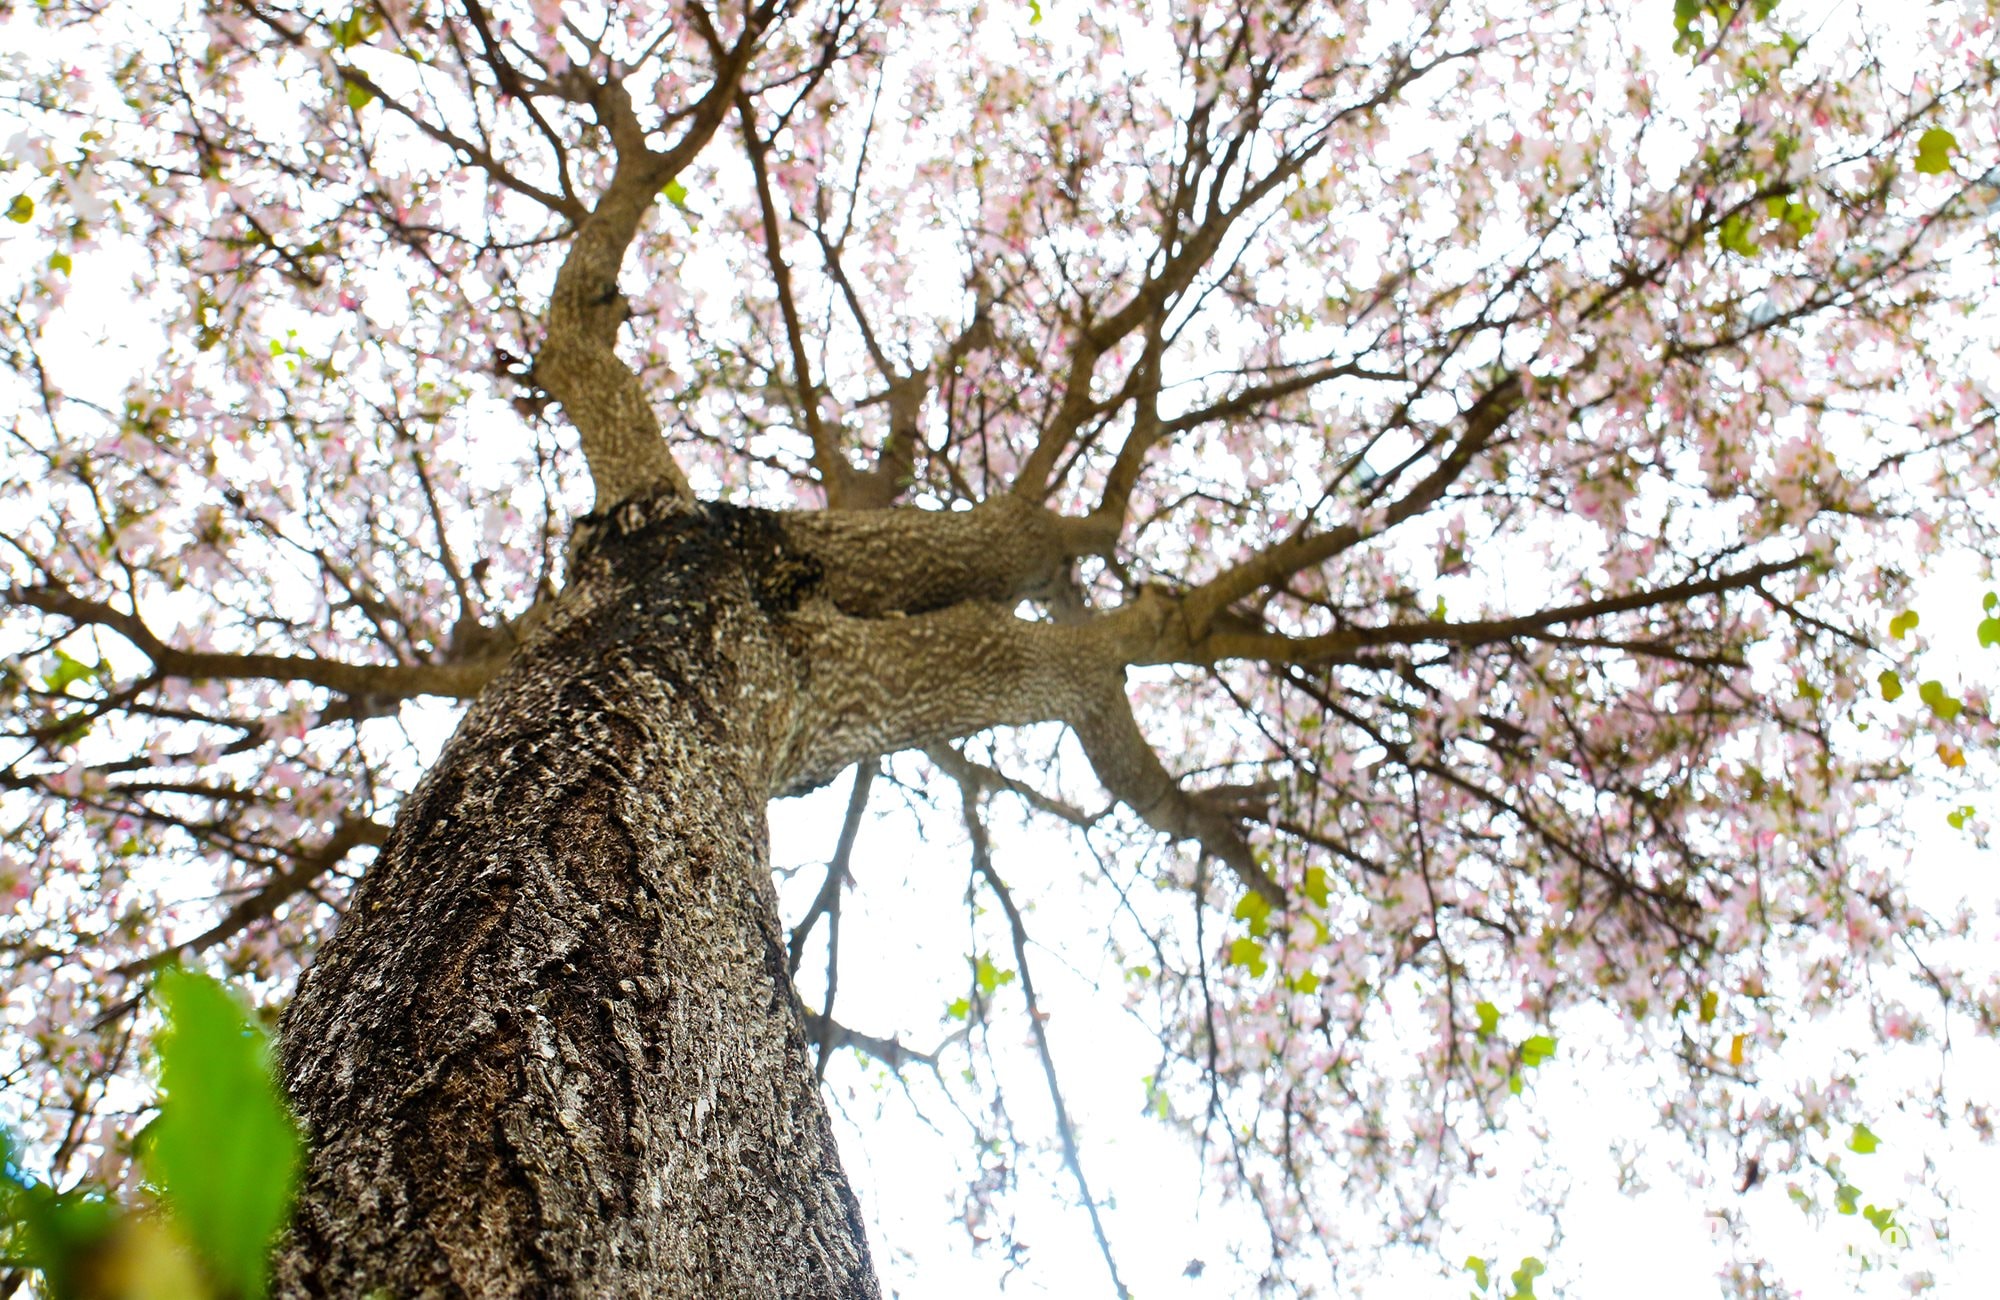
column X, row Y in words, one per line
column 273, row 894
column 1179, row 269
column 460, row 680
column 1128, row 766
column 567, row 206
column 889, row 1051
column 1303, row 550
column 834, row 471
column 981, row 777
column 1271, row 647
column 827, row 901
column 578, row 361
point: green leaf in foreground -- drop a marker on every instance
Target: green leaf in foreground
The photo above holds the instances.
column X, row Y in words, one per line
column 48, row 1230
column 68, row 671
column 224, row 1151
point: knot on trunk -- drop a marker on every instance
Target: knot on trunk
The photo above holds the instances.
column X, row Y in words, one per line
column 661, row 535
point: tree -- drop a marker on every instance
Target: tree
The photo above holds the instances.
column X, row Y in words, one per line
column 1495, row 436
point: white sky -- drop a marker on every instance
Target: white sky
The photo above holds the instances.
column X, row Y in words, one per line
column 1653, row 1244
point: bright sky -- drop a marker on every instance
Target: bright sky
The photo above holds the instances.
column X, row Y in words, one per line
column 905, row 947
column 1654, row 1240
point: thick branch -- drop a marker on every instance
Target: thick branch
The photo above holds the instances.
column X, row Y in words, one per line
column 912, row 561
column 578, row 360
column 1128, row 766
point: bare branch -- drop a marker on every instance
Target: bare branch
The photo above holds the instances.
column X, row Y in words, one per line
column 982, row 862
column 834, row 471
column 273, row 894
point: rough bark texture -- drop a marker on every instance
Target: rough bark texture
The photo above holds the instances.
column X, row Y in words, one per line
column 552, row 1049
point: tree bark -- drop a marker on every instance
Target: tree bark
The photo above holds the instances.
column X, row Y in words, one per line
column 552, row 1049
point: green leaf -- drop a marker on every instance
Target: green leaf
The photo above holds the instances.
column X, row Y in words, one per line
column 1901, row 625
column 1989, row 632
column 1934, row 150
column 1958, row 817
column 1478, row 1268
column 959, row 1008
column 21, row 210
column 1524, row 1277
column 67, row 670
column 1883, row 1221
column 1250, row 953
column 1256, row 909
column 1537, row 1050
column 1034, row 12
column 61, row 262
column 990, row 977
column 1709, row 1001
column 1862, row 1140
column 59, row 1233
column 1845, row 1198
column 1489, row 1019
column 224, row 1151
column 359, row 96
column 1735, row 235
column 677, row 194
column 1940, row 701
column 1315, row 886
column 1892, row 686
column 354, row 29
column 1992, row 599
column 1798, row 217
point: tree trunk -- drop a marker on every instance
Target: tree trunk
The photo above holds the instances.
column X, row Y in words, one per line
column 552, row 1049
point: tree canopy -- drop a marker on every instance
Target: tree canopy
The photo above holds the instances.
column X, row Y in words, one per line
column 1500, row 440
